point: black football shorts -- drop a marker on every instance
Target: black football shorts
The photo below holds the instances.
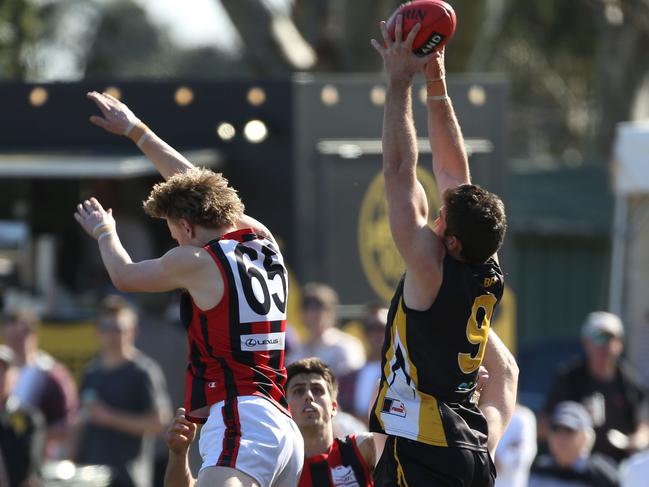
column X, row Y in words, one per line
column 407, row 463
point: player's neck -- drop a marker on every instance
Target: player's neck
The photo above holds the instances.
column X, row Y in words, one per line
column 205, row 235
column 317, row 441
column 456, row 254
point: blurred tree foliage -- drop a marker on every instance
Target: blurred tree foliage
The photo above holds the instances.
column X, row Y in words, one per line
column 126, row 44
column 575, row 67
column 19, row 29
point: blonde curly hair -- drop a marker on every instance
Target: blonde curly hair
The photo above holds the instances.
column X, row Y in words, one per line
column 200, row 196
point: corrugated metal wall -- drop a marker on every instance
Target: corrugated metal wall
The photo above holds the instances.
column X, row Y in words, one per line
column 558, row 280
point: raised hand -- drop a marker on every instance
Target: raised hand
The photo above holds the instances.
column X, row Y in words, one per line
column 399, row 61
column 180, row 433
column 434, row 70
column 116, row 117
column 94, row 219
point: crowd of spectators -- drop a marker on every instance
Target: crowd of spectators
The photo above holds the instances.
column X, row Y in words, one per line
column 593, row 429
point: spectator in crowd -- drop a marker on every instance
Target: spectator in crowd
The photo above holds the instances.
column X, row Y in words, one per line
column 570, row 462
column 608, row 389
column 124, row 401
column 21, row 432
column 311, row 390
column 517, row 449
column 357, row 387
column 635, row 470
column 333, row 346
column 43, row 383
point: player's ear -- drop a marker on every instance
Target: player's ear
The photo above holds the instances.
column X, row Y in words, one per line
column 453, row 244
column 334, row 408
column 186, row 227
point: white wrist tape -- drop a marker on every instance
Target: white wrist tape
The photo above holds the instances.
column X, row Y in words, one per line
column 143, row 138
column 98, row 226
column 107, row 232
column 102, row 228
column 129, row 128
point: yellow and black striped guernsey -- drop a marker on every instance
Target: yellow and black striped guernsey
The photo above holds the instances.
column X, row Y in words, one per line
column 431, row 359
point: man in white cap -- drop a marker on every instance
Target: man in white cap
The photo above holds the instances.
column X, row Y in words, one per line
column 608, row 389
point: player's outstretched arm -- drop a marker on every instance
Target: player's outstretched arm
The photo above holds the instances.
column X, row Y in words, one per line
column 498, row 396
column 118, row 119
column 407, row 204
column 179, row 437
column 176, row 269
column 450, row 162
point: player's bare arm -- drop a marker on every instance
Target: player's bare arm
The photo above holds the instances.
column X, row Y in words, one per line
column 183, row 267
column 498, row 395
column 178, row 437
column 420, row 248
column 117, row 118
column 450, row 162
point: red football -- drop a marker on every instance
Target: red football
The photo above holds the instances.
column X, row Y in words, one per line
column 437, row 21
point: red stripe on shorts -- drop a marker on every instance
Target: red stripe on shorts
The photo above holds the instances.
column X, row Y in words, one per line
column 232, row 435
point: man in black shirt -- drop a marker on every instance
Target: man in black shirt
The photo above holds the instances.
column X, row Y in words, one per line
column 610, row 392
column 124, row 401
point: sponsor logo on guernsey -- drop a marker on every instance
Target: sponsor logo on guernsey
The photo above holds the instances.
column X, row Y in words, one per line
column 343, row 476
column 212, row 385
column 262, row 342
column 465, row 387
column 490, row 281
column 394, row 407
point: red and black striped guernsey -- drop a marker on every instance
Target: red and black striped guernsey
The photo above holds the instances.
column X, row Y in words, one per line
column 237, row 347
column 342, row 466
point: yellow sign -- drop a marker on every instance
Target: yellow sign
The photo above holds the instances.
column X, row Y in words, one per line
column 74, row 344
column 380, row 258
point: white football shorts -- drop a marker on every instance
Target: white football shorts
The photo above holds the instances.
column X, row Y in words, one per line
column 252, row 435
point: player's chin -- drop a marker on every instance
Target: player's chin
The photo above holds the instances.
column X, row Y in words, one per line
column 311, row 417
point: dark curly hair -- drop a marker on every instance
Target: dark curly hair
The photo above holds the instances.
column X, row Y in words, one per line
column 477, row 219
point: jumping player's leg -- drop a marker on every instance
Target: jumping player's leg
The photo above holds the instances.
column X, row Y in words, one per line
column 249, row 442
column 225, row 476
